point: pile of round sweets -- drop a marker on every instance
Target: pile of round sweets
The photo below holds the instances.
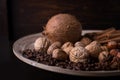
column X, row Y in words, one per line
column 80, row 51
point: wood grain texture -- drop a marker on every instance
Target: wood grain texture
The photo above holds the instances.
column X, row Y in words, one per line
column 4, row 43
column 3, row 18
column 29, row 16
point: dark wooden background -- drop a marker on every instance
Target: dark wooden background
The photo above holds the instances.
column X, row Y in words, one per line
column 19, row 18
column 4, row 42
column 3, row 18
column 29, row 16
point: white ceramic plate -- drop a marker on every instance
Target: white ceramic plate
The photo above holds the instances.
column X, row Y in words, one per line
column 27, row 42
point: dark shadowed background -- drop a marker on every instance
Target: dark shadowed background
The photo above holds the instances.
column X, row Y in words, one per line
column 19, row 18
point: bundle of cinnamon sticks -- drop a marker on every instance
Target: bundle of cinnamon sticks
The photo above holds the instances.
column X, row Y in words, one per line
column 110, row 34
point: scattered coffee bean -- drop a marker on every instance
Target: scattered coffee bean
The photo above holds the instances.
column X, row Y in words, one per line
column 91, row 65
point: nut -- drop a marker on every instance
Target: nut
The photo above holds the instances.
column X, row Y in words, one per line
column 53, row 46
column 104, row 48
column 114, row 52
column 78, row 54
column 85, row 40
column 41, row 44
column 94, row 48
column 112, row 45
column 67, row 47
column 67, row 44
column 118, row 55
column 59, row 54
column 103, row 56
column 79, row 44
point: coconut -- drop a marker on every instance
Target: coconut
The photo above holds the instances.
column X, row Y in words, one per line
column 63, row 28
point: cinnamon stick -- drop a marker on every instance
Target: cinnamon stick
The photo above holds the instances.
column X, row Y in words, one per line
column 105, row 33
column 106, row 30
column 113, row 39
column 113, row 35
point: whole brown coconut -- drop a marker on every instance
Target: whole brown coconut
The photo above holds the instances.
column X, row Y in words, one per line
column 63, row 28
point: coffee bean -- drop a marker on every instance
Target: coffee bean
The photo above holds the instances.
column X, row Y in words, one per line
column 91, row 65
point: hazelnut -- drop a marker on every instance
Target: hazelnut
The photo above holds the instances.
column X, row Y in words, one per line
column 41, row 44
column 94, row 48
column 59, row 54
column 78, row 54
column 67, row 47
column 79, row 44
column 104, row 48
column 103, row 56
column 112, row 45
column 67, row 44
column 85, row 40
column 118, row 55
column 53, row 46
column 114, row 52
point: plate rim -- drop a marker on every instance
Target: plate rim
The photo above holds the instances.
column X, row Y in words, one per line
column 58, row 69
